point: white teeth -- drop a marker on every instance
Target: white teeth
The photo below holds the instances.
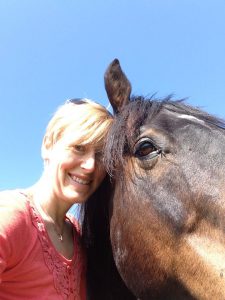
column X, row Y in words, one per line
column 81, row 181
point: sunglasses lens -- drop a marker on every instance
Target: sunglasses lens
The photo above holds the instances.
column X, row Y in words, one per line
column 76, row 101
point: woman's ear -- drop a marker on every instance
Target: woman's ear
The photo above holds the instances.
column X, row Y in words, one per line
column 46, row 147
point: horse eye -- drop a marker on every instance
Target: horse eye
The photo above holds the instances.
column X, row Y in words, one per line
column 145, row 148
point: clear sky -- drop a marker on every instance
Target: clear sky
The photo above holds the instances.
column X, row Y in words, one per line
column 52, row 50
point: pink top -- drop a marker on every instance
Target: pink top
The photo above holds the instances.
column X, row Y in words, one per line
column 30, row 266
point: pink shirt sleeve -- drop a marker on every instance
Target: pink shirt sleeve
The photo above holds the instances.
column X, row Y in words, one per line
column 12, row 229
column 3, row 256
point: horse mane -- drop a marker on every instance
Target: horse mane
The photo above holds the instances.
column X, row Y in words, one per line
column 103, row 279
column 125, row 128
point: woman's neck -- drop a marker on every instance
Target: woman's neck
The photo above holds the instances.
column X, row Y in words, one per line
column 50, row 207
column 53, row 212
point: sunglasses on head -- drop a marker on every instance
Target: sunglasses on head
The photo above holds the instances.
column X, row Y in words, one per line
column 76, row 101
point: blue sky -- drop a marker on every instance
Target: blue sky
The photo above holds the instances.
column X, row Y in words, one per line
column 52, row 50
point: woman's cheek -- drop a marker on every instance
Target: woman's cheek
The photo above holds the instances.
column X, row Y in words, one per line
column 69, row 163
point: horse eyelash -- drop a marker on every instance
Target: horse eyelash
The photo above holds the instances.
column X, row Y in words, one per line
column 162, row 154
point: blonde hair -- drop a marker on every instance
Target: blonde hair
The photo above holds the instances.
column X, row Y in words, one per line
column 89, row 120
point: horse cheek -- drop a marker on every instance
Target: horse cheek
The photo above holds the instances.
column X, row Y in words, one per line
column 133, row 257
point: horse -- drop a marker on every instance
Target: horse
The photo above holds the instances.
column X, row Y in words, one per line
column 162, row 223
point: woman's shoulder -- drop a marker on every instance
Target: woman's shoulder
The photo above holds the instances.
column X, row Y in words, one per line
column 15, row 224
column 14, row 207
column 13, row 200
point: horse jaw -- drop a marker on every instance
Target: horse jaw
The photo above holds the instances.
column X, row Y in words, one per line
column 117, row 86
column 200, row 263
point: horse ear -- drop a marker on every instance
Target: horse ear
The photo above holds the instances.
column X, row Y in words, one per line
column 117, row 86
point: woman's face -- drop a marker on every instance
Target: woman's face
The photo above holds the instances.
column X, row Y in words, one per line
column 73, row 170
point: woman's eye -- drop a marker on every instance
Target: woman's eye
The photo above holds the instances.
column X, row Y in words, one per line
column 144, row 148
column 79, row 148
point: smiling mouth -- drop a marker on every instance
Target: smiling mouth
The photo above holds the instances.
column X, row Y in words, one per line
column 79, row 180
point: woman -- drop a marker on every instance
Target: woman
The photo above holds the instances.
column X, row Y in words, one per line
column 41, row 256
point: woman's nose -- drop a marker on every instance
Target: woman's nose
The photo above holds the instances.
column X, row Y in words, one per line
column 88, row 162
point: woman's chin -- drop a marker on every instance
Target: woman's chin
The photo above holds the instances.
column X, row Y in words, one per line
column 76, row 196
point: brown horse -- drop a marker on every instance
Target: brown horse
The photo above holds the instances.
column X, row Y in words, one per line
column 167, row 212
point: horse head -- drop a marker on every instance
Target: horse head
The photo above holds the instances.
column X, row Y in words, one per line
column 167, row 214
